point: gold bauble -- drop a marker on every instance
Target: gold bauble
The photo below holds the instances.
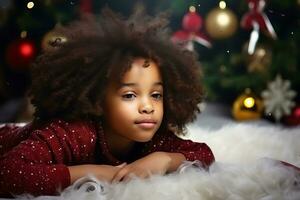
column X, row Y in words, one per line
column 221, row 23
column 53, row 40
column 247, row 107
column 260, row 60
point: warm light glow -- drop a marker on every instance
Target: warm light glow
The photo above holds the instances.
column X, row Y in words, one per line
column 26, row 49
column 261, row 52
column 23, row 34
column 223, row 19
column 222, row 4
column 297, row 112
column 192, row 9
column 30, row 5
column 249, row 102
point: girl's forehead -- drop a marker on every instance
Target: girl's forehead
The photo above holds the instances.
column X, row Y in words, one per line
column 142, row 69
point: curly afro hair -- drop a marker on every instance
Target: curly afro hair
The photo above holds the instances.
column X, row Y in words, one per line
column 69, row 81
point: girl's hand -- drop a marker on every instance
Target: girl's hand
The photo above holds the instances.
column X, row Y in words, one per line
column 102, row 172
column 106, row 172
column 154, row 163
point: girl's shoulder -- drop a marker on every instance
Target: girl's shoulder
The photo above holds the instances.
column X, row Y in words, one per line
column 68, row 125
column 76, row 128
column 12, row 134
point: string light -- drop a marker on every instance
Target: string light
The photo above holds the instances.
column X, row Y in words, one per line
column 192, row 9
column 23, row 34
column 30, row 5
column 249, row 102
column 222, row 4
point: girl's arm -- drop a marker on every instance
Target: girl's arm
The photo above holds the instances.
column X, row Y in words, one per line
column 176, row 160
column 154, row 163
column 191, row 150
column 11, row 135
column 102, row 172
column 166, row 155
column 38, row 165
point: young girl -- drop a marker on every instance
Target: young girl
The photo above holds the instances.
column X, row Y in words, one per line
column 109, row 102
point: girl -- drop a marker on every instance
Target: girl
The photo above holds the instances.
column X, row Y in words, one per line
column 108, row 102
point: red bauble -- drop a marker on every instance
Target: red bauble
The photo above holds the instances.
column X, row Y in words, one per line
column 191, row 31
column 20, row 54
column 294, row 118
column 26, row 49
column 192, row 22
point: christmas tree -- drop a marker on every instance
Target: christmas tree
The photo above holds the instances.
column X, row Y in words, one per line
column 242, row 45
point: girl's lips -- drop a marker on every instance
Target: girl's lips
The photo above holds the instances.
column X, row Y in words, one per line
column 146, row 125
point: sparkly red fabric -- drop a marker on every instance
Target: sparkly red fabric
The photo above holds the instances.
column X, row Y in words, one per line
column 35, row 160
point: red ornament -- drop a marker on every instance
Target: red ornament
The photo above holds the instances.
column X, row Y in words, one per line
column 192, row 23
column 294, row 118
column 26, row 49
column 255, row 19
column 20, row 53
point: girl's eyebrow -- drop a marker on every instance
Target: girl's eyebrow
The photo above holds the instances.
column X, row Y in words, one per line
column 135, row 84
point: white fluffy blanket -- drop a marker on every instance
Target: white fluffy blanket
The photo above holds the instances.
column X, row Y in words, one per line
column 245, row 143
column 241, row 171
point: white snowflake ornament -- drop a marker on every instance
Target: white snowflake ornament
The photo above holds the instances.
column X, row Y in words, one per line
column 278, row 98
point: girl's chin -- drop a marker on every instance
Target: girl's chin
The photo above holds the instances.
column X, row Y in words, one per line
column 143, row 139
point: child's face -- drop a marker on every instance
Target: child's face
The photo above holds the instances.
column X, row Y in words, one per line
column 134, row 110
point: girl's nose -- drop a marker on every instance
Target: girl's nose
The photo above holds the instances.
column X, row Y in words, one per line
column 146, row 108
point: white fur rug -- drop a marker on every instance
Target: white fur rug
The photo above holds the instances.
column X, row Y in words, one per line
column 239, row 173
column 244, row 143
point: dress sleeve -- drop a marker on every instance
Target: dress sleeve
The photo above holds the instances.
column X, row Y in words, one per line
column 191, row 150
column 38, row 165
column 11, row 135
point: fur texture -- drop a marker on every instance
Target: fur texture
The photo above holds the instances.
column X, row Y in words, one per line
column 244, row 143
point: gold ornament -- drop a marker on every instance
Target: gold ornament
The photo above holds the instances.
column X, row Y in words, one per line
column 247, row 107
column 53, row 40
column 221, row 23
column 260, row 60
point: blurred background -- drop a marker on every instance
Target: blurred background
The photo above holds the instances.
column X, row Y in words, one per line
column 248, row 50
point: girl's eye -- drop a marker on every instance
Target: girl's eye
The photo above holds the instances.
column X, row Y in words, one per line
column 128, row 96
column 157, row 96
